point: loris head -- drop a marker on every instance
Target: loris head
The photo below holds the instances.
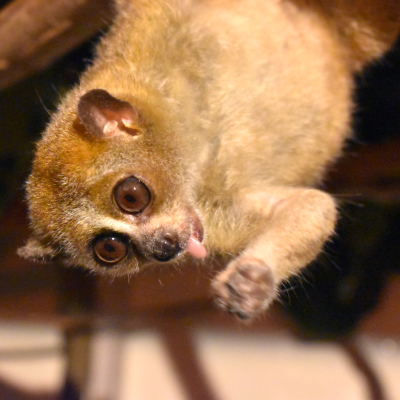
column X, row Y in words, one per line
column 109, row 190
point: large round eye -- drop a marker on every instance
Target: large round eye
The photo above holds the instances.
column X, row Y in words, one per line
column 132, row 195
column 110, row 248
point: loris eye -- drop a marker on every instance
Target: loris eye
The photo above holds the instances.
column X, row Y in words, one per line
column 132, row 195
column 110, row 248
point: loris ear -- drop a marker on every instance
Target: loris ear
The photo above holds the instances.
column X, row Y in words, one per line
column 35, row 251
column 104, row 115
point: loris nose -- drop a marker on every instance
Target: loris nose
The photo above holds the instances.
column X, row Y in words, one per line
column 166, row 247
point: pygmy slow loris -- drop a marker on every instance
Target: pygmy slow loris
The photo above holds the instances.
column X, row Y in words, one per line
column 202, row 128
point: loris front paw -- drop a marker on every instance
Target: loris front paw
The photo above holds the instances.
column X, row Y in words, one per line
column 245, row 288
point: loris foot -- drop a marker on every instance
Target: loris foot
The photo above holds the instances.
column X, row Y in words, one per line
column 245, row 288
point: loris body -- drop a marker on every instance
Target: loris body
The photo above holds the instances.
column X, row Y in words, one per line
column 200, row 130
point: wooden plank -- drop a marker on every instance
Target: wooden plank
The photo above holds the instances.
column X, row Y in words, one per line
column 34, row 33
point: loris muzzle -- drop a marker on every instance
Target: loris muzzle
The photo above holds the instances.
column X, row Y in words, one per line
column 202, row 129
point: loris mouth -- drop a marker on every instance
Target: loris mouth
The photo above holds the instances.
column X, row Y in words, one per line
column 194, row 246
column 167, row 243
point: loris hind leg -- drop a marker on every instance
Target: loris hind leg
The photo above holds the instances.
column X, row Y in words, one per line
column 298, row 223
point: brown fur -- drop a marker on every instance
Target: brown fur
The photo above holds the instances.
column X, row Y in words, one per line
column 241, row 107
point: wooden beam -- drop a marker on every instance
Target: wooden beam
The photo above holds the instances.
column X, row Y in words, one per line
column 34, row 33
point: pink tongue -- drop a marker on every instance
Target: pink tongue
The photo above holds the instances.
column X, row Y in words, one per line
column 195, row 248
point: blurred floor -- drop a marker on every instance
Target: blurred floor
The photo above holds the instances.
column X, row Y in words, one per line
column 239, row 366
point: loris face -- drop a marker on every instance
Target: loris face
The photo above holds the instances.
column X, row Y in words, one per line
column 113, row 198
